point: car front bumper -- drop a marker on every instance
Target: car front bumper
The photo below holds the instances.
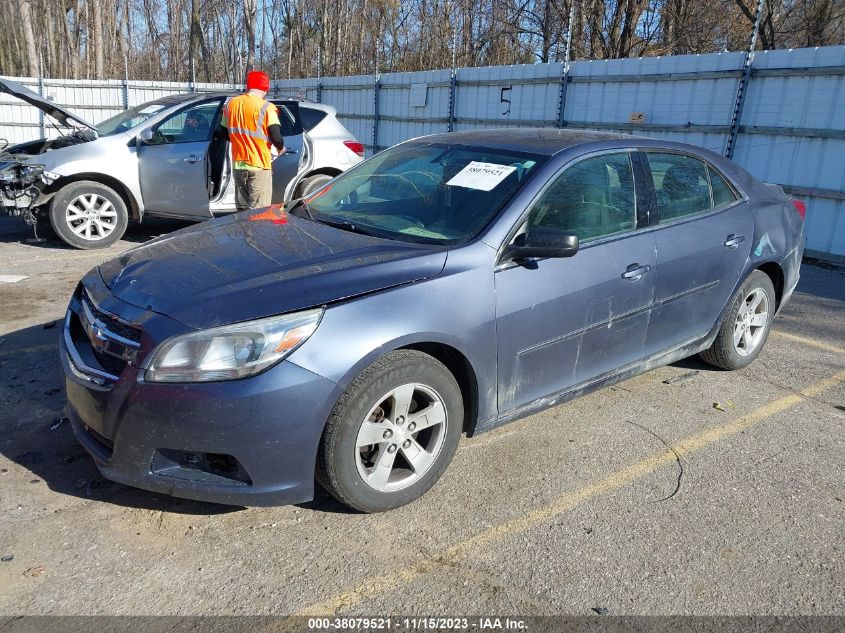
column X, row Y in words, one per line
column 248, row 442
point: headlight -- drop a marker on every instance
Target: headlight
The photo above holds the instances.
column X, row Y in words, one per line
column 231, row 351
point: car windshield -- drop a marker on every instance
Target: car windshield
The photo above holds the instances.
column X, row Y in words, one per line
column 424, row 192
column 125, row 121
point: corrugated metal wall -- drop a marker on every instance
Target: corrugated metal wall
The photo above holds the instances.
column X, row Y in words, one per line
column 792, row 129
column 93, row 101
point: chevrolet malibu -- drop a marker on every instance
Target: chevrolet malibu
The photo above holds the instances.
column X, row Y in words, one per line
column 448, row 285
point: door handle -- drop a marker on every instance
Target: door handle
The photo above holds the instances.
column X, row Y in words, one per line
column 635, row 271
column 290, row 151
column 193, row 158
column 734, row 240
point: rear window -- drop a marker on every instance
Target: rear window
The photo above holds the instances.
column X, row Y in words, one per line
column 288, row 118
column 311, row 117
column 681, row 185
column 722, row 192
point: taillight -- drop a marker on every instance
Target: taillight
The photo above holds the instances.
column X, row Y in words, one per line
column 356, row 147
column 800, row 207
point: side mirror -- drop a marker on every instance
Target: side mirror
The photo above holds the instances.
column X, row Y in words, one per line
column 542, row 242
column 146, row 136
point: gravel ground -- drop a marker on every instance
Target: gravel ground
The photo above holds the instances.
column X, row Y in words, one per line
column 580, row 507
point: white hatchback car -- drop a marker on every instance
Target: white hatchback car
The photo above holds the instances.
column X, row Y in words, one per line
column 159, row 158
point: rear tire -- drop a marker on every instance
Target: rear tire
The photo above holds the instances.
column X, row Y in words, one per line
column 313, row 183
column 746, row 325
column 88, row 215
column 392, row 434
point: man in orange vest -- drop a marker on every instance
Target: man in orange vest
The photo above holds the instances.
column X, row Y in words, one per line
column 251, row 124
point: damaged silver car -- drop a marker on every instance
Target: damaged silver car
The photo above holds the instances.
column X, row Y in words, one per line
column 159, row 158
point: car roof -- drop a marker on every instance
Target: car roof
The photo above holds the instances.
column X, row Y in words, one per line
column 544, row 141
column 187, row 96
column 323, row 107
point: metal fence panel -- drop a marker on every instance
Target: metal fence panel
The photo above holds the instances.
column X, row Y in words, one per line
column 805, row 104
column 792, row 130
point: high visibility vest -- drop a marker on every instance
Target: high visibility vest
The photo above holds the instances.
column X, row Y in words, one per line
column 247, row 119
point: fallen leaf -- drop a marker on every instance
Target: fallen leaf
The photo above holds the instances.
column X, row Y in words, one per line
column 34, row 572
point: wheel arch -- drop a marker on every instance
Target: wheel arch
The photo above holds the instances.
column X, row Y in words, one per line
column 463, row 372
column 327, row 171
column 774, row 271
column 132, row 205
column 445, row 351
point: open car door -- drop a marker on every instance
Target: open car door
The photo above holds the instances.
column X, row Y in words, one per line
column 286, row 166
column 174, row 164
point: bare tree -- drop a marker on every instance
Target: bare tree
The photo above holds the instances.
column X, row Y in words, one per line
column 216, row 40
column 28, row 36
column 250, row 11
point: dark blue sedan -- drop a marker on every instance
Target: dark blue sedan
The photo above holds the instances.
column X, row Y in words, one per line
column 447, row 285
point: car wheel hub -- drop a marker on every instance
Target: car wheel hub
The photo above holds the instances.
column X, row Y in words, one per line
column 401, row 437
column 91, row 217
column 751, row 322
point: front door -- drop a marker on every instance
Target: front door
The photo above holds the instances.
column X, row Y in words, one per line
column 704, row 236
column 567, row 322
column 174, row 165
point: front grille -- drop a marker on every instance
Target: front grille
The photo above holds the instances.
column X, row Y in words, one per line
column 111, row 364
column 102, row 342
column 113, row 323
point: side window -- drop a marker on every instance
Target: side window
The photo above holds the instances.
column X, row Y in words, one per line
column 722, row 191
column 311, row 117
column 188, row 126
column 289, row 114
column 592, row 199
column 681, row 185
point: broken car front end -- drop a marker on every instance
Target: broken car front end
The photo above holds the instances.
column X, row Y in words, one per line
column 21, row 187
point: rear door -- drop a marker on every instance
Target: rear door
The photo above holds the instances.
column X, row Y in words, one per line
column 174, row 167
column 703, row 233
column 567, row 322
column 286, row 166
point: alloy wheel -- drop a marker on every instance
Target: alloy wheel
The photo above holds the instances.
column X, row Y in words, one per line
column 751, row 322
column 91, row 216
column 401, row 437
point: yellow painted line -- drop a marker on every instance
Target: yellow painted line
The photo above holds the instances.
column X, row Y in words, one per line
column 564, row 502
column 809, row 341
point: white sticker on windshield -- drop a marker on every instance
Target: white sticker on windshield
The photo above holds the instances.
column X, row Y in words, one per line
column 482, row 176
column 150, row 109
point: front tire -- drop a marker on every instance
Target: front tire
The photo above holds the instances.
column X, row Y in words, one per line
column 392, row 434
column 88, row 215
column 745, row 327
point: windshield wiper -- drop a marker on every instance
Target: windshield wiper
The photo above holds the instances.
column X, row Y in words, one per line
column 301, row 203
column 344, row 225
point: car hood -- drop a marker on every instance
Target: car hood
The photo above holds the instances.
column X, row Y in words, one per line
column 65, row 117
column 250, row 265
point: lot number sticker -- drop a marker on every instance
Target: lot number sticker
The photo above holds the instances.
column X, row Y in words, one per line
column 482, row 176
